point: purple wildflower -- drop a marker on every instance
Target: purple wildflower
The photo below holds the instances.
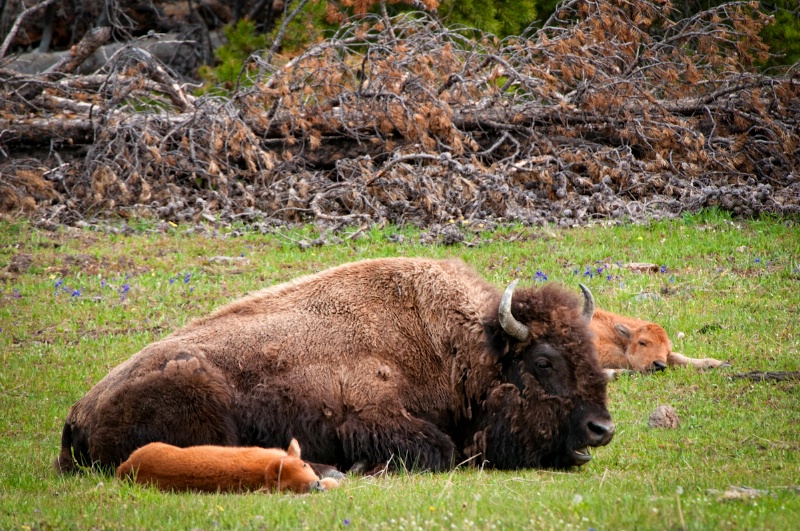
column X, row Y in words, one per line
column 17, row 294
column 172, row 280
column 59, row 283
column 76, row 293
column 600, row 269
column 187, row 278
column 758, row 260
column 671, row 280
column 540, row 276
column 346, row 521
column 126, row 288
column 609, row 277
column 663, row 269
column 588, row 273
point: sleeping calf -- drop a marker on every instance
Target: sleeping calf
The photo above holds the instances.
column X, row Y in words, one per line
column 626, row 344
column 222, row 468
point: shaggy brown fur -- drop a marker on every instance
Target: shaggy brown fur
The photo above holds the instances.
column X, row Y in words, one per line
column 220, row 468
column 627, row 344
column 396, row 357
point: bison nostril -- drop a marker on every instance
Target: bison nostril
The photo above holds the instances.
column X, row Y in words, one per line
column 659, row 365
column 601, row 432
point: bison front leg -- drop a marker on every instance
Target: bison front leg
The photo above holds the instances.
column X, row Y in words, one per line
column 676, row 358
column 378, row 433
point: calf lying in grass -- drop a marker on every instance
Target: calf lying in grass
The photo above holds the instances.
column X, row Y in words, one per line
column 625, row 344
column 222, row 468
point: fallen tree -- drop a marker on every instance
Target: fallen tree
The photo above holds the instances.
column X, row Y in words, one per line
column 612, row 110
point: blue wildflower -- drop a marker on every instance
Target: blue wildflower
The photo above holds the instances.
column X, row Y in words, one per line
column 671, row 280
column 17, row 294
column 589, row 273
column 59, row 283
column 172, row 280
column 663, row 269
column 600, row 269
column 346, row 521
column 540, row 276
column 575, row 272
column 76, row 293
column 758, row 260
column 609, row 277
column 126, row 288
column 187, row 278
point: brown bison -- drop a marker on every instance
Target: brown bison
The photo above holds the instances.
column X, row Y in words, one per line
column 418, row 360
column 222, row 469
column 625, row 344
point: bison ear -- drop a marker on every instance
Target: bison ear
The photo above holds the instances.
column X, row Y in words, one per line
column 294, row 449
column 623, row 331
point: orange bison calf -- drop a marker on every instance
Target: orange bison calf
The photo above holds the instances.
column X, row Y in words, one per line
column 627, row 344
column 222, row 468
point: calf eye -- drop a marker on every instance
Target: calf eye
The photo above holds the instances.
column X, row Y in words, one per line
column 642, row 343
column 543, row 363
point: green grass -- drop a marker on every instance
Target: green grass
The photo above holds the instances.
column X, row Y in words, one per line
column 731, row 287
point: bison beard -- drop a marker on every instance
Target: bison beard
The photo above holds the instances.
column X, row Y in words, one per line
column 414, row 359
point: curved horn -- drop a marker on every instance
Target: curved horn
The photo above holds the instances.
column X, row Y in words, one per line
column 588, row 303
column 512, row 327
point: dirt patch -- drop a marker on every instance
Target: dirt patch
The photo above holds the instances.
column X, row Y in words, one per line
column 20, row 263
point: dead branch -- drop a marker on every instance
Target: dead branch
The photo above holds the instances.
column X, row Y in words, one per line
column 20, row 19
column 611, row 111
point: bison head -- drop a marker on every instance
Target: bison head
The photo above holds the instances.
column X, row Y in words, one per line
column 548, row 406
column 647, row 347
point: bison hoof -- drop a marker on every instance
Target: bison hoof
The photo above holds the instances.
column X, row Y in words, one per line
column 333, row 474
column 359, row 468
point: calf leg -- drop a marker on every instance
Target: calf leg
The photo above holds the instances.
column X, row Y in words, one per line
column 676, row 358
column 613, row 374
column 381, row 431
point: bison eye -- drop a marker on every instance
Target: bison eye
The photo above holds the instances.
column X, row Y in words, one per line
column 642, row 344
column 543, row 364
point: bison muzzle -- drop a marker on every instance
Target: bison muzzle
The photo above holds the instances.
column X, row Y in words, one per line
column 417, row 360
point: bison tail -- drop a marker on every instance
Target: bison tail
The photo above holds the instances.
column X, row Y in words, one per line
column 74, row 451
column 65, row 463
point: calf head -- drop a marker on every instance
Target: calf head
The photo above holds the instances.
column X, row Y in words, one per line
column 292, row 473
column 646, row 347
column 550, row 405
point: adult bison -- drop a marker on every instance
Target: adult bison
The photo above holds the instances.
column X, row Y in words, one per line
column 416, row 359
column 626, row 344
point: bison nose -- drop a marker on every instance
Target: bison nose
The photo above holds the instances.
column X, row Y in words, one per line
column 600, row 432
column 659, row 365
column 316, row 485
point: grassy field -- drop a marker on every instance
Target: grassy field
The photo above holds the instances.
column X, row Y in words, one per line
column 89, row 300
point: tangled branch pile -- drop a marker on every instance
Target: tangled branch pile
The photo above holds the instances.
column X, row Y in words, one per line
column 612, row 110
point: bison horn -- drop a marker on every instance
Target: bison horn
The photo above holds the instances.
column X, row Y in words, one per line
column 588, row 303
column 512, row 327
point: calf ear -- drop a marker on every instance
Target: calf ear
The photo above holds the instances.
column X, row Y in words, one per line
column 623, row 331
column 294, row 449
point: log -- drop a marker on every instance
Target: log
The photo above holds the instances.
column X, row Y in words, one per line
column 774, row 376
